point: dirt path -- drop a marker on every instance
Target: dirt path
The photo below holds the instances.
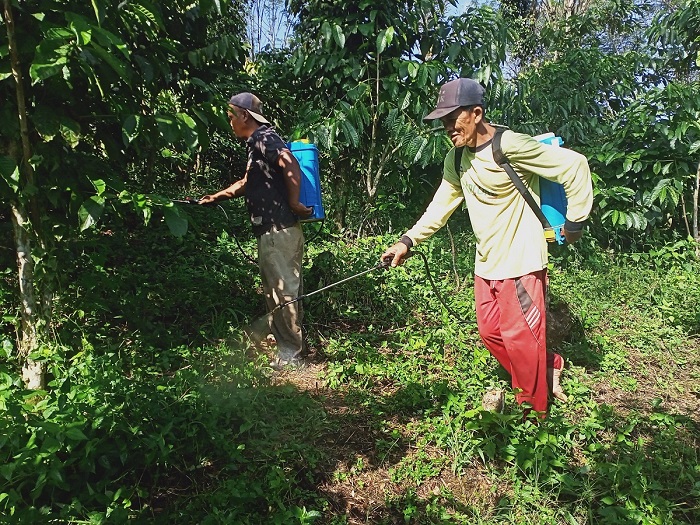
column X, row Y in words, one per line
column 357, row 478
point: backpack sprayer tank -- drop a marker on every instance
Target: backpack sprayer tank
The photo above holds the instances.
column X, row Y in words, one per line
column 310, row 193
column 552, row 196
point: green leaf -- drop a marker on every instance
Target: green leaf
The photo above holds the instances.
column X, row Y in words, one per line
column 146, row 68
column 366, row 29
column 454, row 50
column 7, row 469
column 9, row 171
column 406, row 100
column 384, row 39
column 90, row 211
column 660, row 186
column 50, row 58
column 99, row 185
column 111, row 41
column 99, row 9
column 70, row 131
column 76, row 434
column 131, row 128
column 326, row 31
column 176, row 223
column 190, row 134
column 148, row 13
column 120, row 68
column 7, row 349
column 168, row 128
column 338, row 36
column 350, row 133
column 80, row 27
column 298, row 64
column 412, row 72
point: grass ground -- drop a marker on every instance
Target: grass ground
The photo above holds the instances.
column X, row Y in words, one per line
column 398, row 435
column 626, row 441
column 159, row 411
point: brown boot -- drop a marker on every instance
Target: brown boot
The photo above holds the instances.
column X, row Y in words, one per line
column 553, row 375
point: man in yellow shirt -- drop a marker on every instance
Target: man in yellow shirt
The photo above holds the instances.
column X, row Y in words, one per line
column 511, row 251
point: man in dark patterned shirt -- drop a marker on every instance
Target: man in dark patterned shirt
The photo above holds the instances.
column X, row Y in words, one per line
column 271, row 186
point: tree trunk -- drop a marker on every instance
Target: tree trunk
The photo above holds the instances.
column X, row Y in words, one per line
column 32, row 372
column 26, row 226
column 696, row 196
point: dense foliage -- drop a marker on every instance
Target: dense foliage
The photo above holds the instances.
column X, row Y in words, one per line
column 112, row 93
column 99, row 99
column 158, row 411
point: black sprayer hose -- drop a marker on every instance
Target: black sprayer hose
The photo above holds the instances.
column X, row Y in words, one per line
column 439, row 295
column 385, row 264
column 316, row 233
column 235, row 237
column 382, row 264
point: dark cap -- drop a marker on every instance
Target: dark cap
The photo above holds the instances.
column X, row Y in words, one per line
column 251, row 103
column 455, row 94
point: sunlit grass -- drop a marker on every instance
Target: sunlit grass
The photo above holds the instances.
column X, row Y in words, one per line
column 160, row 410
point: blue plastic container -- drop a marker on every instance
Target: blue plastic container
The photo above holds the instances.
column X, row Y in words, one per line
column 552, row 196
column 310, row 193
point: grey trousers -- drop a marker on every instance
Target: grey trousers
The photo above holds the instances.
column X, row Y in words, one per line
column 280, row 254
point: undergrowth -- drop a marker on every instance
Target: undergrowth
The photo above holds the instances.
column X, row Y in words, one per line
column 158, row 410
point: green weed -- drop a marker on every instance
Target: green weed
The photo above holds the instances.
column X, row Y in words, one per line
column 158, row 410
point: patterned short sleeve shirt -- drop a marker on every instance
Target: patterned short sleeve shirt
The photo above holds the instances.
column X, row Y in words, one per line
column 266, row 192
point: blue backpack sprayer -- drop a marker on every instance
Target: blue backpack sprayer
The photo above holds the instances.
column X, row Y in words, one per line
column 306, row 154
column 552, row 197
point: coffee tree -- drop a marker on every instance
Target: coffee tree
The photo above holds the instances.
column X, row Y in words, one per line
column 98, row 98
column 618, row 81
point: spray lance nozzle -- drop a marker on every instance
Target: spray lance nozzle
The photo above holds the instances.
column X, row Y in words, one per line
column 383, row 264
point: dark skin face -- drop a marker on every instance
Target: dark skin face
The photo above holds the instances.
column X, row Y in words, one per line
column 241, row 122
column 466, row 127
column 461, row 125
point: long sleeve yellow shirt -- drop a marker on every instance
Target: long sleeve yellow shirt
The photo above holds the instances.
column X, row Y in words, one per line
column 509, row 237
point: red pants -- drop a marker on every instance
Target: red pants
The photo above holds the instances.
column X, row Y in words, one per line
column 511, row 317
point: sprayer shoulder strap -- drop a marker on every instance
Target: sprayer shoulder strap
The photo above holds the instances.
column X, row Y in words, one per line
column 504, row 163
column 458, row 160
